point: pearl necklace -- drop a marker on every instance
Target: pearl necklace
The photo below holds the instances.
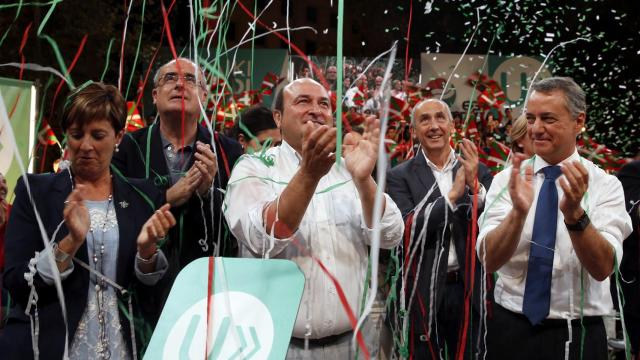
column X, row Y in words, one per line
column 100, row 284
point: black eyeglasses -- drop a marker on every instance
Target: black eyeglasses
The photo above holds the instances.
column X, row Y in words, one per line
column 172, row 78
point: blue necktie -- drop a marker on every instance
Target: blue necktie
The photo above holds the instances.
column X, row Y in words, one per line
column 537, row 291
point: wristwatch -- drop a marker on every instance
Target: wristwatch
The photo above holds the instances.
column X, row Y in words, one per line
column 581, row 224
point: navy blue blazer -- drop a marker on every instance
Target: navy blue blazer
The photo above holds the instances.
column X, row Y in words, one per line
column 141, row 156
column 408, row 184
column 23, row 239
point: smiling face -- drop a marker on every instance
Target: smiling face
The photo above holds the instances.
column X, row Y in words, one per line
column 91, row 147
column 432, row 126
column 176, row 85
column 551, row 127
column 304, row 100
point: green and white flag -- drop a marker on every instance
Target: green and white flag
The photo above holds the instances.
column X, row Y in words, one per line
column 252, row 310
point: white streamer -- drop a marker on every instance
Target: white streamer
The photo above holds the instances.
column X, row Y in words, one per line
column 379, row 196
column 45, row 239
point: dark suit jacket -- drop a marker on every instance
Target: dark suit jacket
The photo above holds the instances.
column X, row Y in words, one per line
column 182, row 246
column 49, row 192
column 408, row 184
column 629, row 176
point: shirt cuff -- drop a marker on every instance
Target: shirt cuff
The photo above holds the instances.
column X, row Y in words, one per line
column 482, row 193
column 44, row 267
column 158, row 272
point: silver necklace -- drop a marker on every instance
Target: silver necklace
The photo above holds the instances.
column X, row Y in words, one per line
column 100, row 284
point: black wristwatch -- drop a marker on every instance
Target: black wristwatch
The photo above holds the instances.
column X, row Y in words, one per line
column 581, row 224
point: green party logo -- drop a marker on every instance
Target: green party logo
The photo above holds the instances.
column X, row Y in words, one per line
column 252, row 311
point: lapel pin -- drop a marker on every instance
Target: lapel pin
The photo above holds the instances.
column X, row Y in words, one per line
column 124, row 204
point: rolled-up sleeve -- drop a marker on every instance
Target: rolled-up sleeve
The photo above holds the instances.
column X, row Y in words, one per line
column 158, row 272
column 248, row 192
column 391, row 225
column 610, row 216
column 497, row 206
column 43, row 265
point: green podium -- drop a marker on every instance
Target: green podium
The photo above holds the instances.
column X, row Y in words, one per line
column 252, row 310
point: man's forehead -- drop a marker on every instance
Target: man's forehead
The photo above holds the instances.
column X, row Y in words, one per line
column 185, row 67
column 306, row 87
column 431, row 107
column 544, row 102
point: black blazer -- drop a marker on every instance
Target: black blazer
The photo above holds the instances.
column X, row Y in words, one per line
column 182, row 247
column 408, row 184
column 23, row 239
column 629, row 176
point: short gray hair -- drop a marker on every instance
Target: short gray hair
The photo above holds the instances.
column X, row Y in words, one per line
column 444, row 104
column 156, row 76
column 574, row 97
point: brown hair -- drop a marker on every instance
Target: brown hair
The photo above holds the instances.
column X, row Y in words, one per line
column 95, row 101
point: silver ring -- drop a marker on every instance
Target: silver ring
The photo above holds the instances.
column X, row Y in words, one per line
column 67, row 202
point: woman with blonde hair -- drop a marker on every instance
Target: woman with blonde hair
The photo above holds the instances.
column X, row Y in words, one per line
column 520, row 140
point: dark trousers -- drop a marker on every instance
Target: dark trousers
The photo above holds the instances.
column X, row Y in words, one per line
column 446, row 328
column 511, row 336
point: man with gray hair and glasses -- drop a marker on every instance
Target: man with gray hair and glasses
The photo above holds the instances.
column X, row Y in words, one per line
column 177, row 154
column 552, row 229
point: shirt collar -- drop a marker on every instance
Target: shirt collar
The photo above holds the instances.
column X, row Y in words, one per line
column 447, row 166
column 290, row 152
column 166, row 143
column 539, row 163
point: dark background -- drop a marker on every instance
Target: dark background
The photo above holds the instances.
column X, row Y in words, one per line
column 606, row 66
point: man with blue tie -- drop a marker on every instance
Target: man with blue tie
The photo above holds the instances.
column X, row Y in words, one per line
column 552, row 229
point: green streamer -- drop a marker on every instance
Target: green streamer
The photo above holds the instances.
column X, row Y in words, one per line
column 63, row 67
column 106, row 62
column 47, row 16
column 135, row 59
column 285, row 183
column 253, row 48
column 339, row 81
column 21, row 3
column 13, row 22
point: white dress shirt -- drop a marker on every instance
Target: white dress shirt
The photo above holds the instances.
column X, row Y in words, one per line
column 444, row 179
column 332, row 229
column 603, row 202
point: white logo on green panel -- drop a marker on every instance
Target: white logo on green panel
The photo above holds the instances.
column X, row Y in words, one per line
column 244, row 332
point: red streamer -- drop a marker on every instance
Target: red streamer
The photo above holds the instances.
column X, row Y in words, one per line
column 73, row 64
column 343, row 299
column 209, row 294
column 25, row 36
column 315, row 67
column 470, row 272
column 406, row 50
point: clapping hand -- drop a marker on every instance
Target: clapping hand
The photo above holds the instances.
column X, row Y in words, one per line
column 574, row 184
column 469, row 162
column 154, row 230
column 521, row 190
column 76, row 215
column 207, row 164
column 318, row 150
column 361, row 151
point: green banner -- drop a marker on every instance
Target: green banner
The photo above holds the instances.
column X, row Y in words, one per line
column 262, row 61
column 252, row 310
column 18, row 97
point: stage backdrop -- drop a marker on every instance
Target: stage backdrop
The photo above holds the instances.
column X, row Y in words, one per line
column 19, row 99
column 512, row 76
